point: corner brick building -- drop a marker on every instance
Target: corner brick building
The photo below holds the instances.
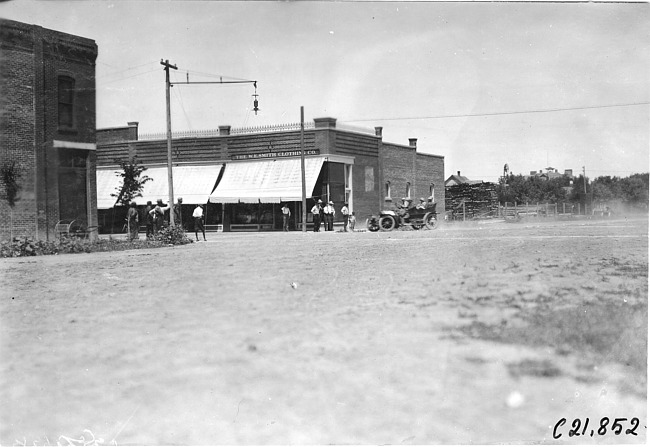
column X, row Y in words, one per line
column 47, row 129
column 245, row 175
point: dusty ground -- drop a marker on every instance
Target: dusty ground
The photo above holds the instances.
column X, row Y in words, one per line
column 468, row 334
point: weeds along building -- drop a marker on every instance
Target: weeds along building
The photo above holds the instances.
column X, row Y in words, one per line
column 245, row 175
column 47, row 130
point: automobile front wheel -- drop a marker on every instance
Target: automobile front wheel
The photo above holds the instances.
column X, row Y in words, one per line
column 387, row 223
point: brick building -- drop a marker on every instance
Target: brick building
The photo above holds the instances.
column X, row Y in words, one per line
column 256, row 170
column 47, row 129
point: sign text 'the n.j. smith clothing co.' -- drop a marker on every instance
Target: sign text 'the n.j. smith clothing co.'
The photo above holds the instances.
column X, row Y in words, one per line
column 274, row 154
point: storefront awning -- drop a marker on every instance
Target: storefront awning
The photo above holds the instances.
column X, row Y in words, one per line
column 193, row 183
column 266, row 181
column 107, row 182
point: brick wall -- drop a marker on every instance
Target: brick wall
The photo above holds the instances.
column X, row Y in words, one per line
column 402, row 165
column 32, row 59
column 431, row 171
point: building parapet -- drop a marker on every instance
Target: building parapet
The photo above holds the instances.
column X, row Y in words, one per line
column 206, row 133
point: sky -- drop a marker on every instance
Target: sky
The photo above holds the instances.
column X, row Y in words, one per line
column 531, row 85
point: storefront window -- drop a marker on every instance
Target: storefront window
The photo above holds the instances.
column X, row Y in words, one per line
column 245, row 213
column 213, row 213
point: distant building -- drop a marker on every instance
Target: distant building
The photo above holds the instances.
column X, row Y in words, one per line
column 243, row 176
column 550, row 173
column 460, row 180
column 47, row 128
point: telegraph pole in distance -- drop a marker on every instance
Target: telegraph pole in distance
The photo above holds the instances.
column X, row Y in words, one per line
column 170, row 177
column 584, row 182
column 302, row 168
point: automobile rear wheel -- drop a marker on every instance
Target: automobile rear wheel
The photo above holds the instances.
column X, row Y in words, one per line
column 387, row 223
column 372, row 224
column 431, row 221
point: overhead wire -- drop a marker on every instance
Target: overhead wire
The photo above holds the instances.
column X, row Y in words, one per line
column 115, row 73
column 126, row 77
column 517, row 112
column 180, row 99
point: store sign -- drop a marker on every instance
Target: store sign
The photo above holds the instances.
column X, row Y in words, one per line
column 274, row 154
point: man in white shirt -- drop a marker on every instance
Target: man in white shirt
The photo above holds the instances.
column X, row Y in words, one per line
column 198, row 222
column 286, row 214
column 346, row 213
column 329, row 216
column 315, row 211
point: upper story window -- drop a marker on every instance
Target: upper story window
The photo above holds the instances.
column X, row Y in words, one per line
column 388, row 189
column 66, row 101
column 432, row 191
column 408, row 190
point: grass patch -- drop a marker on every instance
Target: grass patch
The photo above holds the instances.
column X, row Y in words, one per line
column 600, row 332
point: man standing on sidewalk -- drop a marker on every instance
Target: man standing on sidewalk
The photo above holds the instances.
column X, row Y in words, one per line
column 198, row 222
column 315, row 211
column 329, row 216
column 346, row 213
column 286, row 214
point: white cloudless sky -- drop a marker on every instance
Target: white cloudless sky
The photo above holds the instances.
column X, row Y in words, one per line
column 533, row 85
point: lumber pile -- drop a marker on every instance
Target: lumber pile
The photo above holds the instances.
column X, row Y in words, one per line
column 480, row 200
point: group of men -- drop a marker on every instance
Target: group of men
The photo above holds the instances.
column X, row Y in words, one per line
column 325, row 214
column 154, row 217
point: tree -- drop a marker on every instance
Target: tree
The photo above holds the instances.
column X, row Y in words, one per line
column 10, row 174
column 520, row 189
column 132, row 181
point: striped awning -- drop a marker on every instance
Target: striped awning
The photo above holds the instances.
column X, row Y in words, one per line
column 266, row 181
column 191, row 183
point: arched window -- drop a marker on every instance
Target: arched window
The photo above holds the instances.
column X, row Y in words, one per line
column 432, row 192
column 408, row 190
column 388, row 189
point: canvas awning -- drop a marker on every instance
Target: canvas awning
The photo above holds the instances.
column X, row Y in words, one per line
column 193, row 183
column 107, row 182
column 266, row 181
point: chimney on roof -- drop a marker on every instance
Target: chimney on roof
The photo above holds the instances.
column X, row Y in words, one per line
column 224, row 130
column 133, row 130
column 378, row 131
column 413, row 142
column 458, row 173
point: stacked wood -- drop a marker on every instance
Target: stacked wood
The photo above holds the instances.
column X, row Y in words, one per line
column 480, row 200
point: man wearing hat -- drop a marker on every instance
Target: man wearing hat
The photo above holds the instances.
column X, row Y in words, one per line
column 149, row 219
column 315, row 211
column 329, row 216
column 346, row 214
column 423, row 204
column 178, row 213
column 158, row 214
column 133, row 221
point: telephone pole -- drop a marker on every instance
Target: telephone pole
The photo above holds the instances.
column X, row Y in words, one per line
column 170, row 177
column 168, row 85
column 302, row 168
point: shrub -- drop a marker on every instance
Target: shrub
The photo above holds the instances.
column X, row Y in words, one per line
column 25, row 246
column 174, row 235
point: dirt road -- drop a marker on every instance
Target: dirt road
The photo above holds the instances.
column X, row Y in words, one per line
column 486, row 333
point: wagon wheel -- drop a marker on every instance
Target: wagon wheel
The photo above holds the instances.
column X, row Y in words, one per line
column 387, row 223
column 372, row 224
column 431, row 221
